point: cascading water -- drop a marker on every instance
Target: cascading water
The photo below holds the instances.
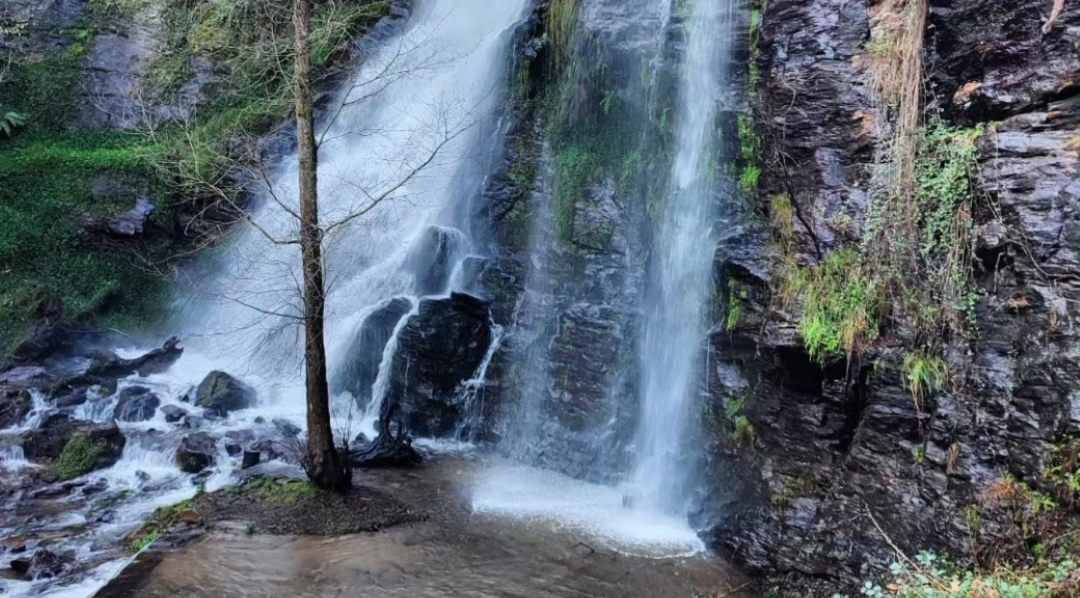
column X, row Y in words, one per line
column 679, row 290
column 575, row 415
column 409, row 126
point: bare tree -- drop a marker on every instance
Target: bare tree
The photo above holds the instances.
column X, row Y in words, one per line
column 316, row 227
column 325, row 464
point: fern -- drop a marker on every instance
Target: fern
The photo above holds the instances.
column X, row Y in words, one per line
column 11, row 121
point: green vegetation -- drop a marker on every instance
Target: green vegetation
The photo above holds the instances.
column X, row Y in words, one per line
column 792, row 487
column 742, row 431
column 736, row 295
column 143, row 541
column 841, row 307
column 47, row 254
column 750, row 145
column 163, row 520
column 80, row 456
column 926, row 374
column 251, row 529
column 9, row 121
column 930, row 576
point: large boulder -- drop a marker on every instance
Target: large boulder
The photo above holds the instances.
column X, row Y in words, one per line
column 197, row 451
column 440, row 347
column 221, row 393
column 361, row 365
column 137, row 404
column 79, row 446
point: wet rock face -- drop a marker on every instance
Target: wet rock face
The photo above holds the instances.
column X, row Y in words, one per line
column 14, row 406
column 440, row 348
column 219, row 393
column 365, row 354
column 999, row 60
column 842, row 449
column 43, row 564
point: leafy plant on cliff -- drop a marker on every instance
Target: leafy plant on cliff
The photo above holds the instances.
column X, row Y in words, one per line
column 925, row 374
column 841, row 305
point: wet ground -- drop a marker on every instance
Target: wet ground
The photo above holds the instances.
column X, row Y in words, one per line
column 456, row 552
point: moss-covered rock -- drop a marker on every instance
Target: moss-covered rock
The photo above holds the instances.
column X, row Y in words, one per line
column 222, row 393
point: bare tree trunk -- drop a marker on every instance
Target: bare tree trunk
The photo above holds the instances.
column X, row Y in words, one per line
column 325, row 466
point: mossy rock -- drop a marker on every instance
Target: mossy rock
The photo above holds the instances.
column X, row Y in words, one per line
column 90, row 449
column 221, row 393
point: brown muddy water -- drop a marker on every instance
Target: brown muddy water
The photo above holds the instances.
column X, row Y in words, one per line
column 456, row 552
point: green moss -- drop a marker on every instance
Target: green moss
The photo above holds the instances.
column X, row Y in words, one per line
column 736, row 295
column 143, row 541
column 80, row 456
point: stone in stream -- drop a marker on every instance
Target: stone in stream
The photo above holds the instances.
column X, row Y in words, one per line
column 173, row 414
column 361, row 366
column 236, row 439
column 197, row 451
column 251, row 458
column 14, row 406
column 219, row 393
column 43, row 564
column 286, row 428
column 54, row 419
column 106, row 364
column 136, row 404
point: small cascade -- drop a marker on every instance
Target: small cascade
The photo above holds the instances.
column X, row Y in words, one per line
column 471, row 394
column 381, row 387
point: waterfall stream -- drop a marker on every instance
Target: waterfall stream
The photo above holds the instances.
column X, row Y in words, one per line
column 680, row 287
column 426, row 95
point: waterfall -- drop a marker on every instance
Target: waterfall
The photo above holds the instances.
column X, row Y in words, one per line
column 679, row 290
column 408, row 126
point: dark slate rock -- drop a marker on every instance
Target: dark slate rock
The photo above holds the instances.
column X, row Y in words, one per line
column 14, row 406
column 438, row 349
column 136, row 404
column 173, row 414
column 286, row 428
column 197, row 451
column 361, row 365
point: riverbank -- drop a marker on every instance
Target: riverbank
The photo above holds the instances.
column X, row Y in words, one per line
column 447, row 549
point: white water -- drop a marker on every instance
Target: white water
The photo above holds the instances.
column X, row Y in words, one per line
column 426, row 95
column 593, row 510
column 677, row 300
column 434, row 88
